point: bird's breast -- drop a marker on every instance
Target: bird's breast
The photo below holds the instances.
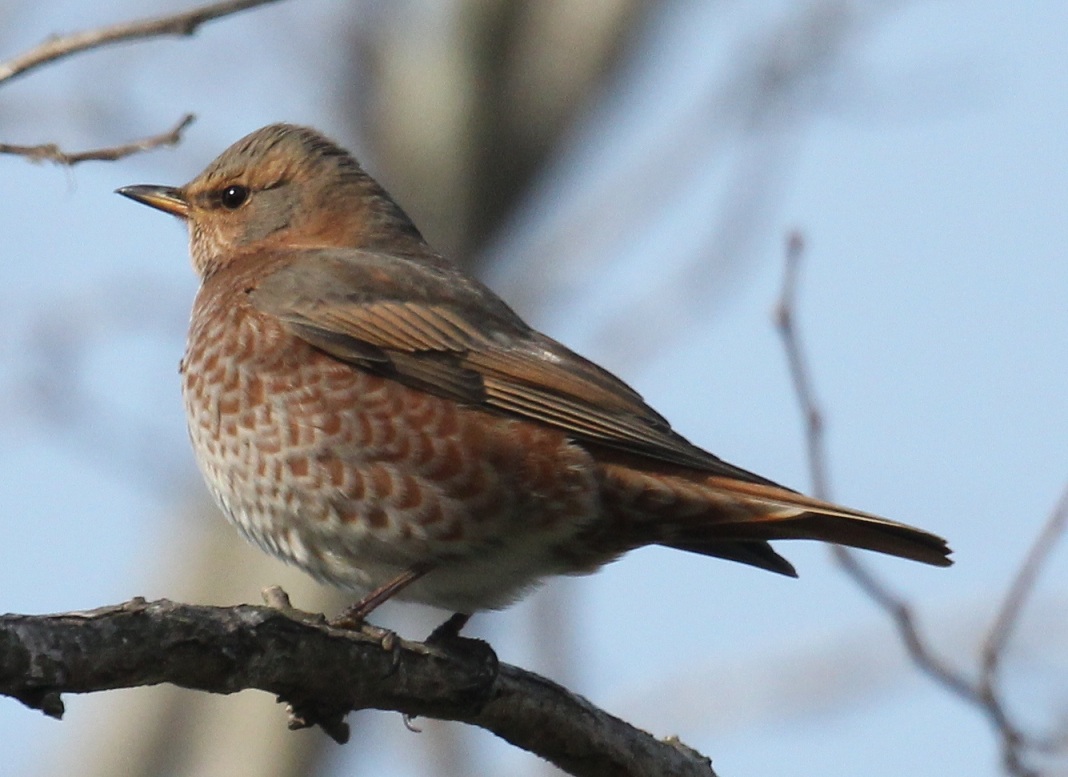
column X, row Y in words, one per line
column 351, row 475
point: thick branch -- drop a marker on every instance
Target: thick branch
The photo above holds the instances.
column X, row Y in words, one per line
column 324, row 671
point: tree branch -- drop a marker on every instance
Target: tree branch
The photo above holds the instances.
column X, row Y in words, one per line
column 62, row 46
column 1020, row 589
column 323, row 672
column 981, row 693
column 798, row 365
column 65, row 45
column 50, row 152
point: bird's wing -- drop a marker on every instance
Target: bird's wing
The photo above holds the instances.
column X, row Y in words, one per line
column 428, row 326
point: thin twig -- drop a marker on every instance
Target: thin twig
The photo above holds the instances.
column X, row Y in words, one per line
column 1000, row 633
column 905, row 620
column 50, row 152
column 981, row 693
column 817, row 457
column 1022, row 585
column 64, row 45
column 784, row 322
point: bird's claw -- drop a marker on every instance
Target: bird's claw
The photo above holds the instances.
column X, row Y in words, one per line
column 329, row 718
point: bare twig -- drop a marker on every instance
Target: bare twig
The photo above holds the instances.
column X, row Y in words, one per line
column 1022, row 585
column 905, row 620
column 817, row 458
column 981, row 693
column 64, row 45
column 50, row 152
column 323, row 672
column 992, row 651
column 784, row 322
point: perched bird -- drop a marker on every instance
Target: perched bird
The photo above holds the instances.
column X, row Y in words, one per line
column 362, row 408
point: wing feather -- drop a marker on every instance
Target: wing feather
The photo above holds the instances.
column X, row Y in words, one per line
column 454, row 337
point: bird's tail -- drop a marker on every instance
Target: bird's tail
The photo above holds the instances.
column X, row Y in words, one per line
column 732, row 518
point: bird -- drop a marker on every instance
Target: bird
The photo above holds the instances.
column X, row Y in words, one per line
column 362, row 408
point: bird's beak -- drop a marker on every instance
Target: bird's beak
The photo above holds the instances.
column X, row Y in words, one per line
column 164, row 198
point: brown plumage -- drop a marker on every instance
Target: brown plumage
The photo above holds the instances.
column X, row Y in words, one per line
column 362, row 408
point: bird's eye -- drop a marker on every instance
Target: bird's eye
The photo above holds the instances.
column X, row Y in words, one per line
column 233, row 197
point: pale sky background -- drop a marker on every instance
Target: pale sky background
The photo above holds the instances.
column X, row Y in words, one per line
column 927, row 167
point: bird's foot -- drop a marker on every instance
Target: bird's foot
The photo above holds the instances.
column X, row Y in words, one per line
column 351, row 618
column 447, row 638
column 449, row 631
column 330, row 719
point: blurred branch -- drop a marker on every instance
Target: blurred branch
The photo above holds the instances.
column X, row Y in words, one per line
column 50, row 152
column 62, row 46
column 323, row 672
column 981, row 693
column 1020, row 590
column 798, row 364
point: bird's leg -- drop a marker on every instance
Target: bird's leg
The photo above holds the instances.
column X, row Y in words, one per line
column 450, row 629
column 353, row 617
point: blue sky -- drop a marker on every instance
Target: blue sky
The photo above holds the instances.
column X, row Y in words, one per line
column 926, row 163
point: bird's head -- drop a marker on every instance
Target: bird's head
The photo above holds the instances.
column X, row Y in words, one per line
column 282, row 186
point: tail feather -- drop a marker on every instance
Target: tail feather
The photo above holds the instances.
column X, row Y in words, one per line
column 734, row 518
column 775, row 513
column 755, row 554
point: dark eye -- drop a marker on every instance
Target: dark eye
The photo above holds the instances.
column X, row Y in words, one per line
column 233, row 197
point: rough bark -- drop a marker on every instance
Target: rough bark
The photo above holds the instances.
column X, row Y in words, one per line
column 323, row 673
